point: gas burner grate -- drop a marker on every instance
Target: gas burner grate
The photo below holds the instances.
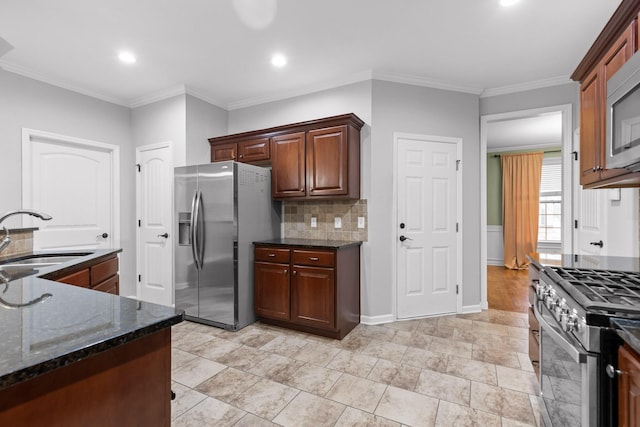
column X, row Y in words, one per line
column 602, row 286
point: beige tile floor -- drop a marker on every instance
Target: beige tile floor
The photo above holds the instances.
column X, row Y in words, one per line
column 459, row 370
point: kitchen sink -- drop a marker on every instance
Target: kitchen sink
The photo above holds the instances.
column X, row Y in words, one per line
column 40, row 260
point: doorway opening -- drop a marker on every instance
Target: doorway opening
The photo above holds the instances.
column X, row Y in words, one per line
column 546, row 129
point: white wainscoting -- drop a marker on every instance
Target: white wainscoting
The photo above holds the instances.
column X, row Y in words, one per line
column 495, row 245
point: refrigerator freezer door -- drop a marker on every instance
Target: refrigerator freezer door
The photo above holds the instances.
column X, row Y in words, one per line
column 217, row 298
column 186, row 273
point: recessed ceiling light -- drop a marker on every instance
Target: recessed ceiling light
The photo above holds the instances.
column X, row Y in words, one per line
column 278, row 60
column 127, row 57
column 508, row 2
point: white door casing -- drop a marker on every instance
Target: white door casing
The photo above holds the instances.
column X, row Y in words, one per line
column 76, row 181
column 427, row 193
column 154, row 206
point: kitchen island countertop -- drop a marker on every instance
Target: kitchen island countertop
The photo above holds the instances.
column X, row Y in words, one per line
column 67, row 323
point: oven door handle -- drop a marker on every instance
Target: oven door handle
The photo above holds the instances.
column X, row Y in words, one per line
column 572, row 349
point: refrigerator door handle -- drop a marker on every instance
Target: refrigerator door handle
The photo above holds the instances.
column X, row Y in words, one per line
column 201, row 242
column 193, row 226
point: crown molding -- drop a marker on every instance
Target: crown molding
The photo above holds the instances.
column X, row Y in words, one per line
column 26, row 72
column 522, row 87
column 421, row 81
column 330, row 84
column 170, row 93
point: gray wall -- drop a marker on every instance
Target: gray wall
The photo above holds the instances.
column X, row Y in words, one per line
column 536, row 98
column 203, row 122
column 28, row 103
column 162, row 121
column 413, row 109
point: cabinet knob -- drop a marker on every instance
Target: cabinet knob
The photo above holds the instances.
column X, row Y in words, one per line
column 595, row 168
column 240, row 156
column 302, row 189
column 313, row 258
column 271, row 255
column 294, row 272
column 285, row 271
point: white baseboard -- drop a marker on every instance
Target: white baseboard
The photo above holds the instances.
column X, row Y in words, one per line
column 496, row 262
column 376, row 320
column 471, row 309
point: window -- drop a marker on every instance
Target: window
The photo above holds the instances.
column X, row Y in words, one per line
column 550, row 222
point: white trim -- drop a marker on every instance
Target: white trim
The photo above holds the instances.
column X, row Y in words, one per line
column 286, row 94
column 114, row 154
column 521, row 148
column 471, row 309
column 567, row 186
column 377, row 320
column 26, row 72
column 394, row 214
column 425, row 82
column 495, row 229
column 522, row 87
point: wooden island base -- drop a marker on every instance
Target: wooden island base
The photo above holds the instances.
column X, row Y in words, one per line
column 129, row 385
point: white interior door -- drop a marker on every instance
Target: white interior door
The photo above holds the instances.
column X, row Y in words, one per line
column 154, row 213
column 76, row 182
column 592, row 222
column 427, row 212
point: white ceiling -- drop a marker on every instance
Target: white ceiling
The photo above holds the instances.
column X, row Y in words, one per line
column 206, row 48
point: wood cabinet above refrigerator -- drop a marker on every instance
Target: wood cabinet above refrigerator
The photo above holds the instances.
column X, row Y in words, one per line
column 317, row 159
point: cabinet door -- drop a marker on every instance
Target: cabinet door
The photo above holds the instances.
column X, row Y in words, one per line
column 327, row 162
column 590, row 127
column 254, row 150
column 271, row 290
column 628, row 389
column 313, row 296
column 288, row 166
column 222, row 152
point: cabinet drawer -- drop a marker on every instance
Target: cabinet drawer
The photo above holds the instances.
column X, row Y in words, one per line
column 109, row 286
column 79, row 278
column 104, row 270
column 533, row 322
column 254, row 150
column 323, row 258
column 272, row 255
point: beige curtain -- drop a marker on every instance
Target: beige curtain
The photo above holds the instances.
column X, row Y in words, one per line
column 520, row 203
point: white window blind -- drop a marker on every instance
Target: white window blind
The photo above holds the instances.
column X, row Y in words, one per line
column 551, row 181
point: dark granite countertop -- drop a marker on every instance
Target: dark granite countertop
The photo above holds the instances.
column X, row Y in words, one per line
column 586, row 261
column 629, row 331
column 309, row 243
column 67, row 323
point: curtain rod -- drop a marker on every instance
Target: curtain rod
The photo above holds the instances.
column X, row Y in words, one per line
column 547, row 151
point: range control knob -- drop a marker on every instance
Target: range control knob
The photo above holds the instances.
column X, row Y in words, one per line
column 541, row 290
column 551, row 301
column 570, row 322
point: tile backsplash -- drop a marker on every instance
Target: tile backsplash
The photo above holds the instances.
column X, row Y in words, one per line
column 297, row 219
column 21, row 242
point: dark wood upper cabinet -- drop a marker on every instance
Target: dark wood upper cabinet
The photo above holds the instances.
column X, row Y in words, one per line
column 288, row 166
column 615, row 45
column 318, row 159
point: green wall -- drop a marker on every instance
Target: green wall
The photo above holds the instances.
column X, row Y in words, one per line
column 494, row 184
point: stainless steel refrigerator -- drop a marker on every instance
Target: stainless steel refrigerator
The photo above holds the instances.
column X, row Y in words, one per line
column 220, row 209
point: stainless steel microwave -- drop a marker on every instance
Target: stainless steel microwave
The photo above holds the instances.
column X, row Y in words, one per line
column 623, row 117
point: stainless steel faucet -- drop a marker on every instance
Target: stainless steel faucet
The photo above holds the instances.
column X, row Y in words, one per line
column 6, row 240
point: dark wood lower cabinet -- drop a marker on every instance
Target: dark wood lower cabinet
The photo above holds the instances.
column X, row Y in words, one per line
column 129, row 385
column 313, row 296
column 271, row 290
column 316, row 290
column 628, row 388
column 100, row 276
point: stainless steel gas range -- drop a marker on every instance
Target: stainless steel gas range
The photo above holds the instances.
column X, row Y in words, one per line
column 574, row 307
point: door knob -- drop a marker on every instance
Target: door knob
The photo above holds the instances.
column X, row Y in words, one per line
column 165, row 235
column 103, row 235
column 599, row 243
column 402, row 225
column 403, row 238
